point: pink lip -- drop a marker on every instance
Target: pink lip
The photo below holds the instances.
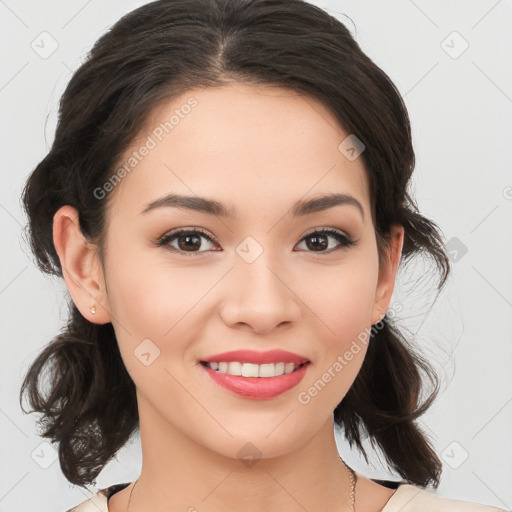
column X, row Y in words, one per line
column 257, row 387
column 252, row 356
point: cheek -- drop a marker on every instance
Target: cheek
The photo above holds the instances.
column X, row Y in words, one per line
column 159, row 302
column 140, row 305
column 149, row 322
column 342, row 299
column 149, row 298
column 343, row 307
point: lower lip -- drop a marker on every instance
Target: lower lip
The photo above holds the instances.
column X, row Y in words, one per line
column 257, row 387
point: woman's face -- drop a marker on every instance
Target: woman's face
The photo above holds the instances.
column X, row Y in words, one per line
column 257, row 279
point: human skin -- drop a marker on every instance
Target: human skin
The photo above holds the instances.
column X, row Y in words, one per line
column 258, row 150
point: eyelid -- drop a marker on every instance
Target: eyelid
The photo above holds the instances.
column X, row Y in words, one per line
column 326, row 229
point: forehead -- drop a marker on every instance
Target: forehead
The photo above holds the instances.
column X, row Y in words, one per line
column 242, row 145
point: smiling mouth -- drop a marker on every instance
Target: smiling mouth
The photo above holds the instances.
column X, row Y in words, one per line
column 241, row 369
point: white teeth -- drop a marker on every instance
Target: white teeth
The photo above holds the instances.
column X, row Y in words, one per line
column 234, row 368
column 248, row 369
column 289, row 367
column 253, row 370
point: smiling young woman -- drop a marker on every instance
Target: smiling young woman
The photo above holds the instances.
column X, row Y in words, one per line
column 226, row 199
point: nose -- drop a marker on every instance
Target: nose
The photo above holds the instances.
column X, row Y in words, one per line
column 258, row 296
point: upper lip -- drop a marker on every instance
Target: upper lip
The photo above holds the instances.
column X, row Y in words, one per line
column 255, row 357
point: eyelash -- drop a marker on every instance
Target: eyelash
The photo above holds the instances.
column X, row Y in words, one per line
column 164, row 240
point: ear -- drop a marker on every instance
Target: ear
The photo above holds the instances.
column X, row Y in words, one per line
column 80, row 265
column 387, row 273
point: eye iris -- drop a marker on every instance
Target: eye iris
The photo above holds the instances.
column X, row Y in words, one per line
column 188, row 237
column 317, row 239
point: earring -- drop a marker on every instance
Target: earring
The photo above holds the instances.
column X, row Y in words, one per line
column 93, row 309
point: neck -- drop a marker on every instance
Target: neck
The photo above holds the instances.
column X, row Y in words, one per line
column 180, row 474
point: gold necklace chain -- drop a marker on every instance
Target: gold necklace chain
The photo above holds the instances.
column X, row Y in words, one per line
column 351, row 474
column 353, row 479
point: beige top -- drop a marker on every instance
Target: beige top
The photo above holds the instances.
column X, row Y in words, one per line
column 406, row 498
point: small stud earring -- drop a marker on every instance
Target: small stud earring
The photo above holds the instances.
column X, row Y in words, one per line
column 93, row 309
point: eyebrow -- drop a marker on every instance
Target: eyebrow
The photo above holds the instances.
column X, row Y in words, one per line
column 212, row 207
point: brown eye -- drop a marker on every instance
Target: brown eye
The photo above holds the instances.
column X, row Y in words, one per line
column 187, row 240
column 318, row 241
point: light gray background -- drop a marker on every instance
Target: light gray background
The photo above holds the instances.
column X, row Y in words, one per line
column 460, row 105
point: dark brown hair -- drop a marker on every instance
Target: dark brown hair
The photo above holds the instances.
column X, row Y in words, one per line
column 148, row 57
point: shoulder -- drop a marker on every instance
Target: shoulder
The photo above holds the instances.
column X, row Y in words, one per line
column 411, row 498
column 98, row 502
